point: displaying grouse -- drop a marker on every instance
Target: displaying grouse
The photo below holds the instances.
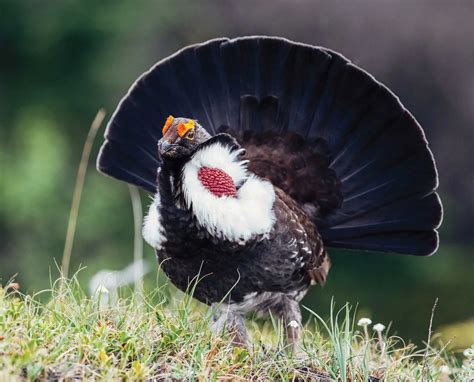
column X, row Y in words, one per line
column 271, row 152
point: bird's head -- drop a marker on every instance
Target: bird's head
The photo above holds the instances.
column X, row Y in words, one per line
column 181, row 138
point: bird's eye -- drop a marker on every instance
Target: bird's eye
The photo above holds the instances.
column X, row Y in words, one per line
column 190, row 135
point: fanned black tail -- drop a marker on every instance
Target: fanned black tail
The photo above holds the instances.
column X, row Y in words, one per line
column 274, row 89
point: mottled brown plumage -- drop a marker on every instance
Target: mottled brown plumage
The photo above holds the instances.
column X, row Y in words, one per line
column 310, row 243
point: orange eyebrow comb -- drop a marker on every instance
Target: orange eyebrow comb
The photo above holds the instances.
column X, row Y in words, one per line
column 168, row 123
column 183, row 128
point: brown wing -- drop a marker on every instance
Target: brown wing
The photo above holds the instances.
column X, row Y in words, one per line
column 308, row 240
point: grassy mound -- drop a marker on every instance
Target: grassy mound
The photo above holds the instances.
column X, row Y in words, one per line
column 163, row 337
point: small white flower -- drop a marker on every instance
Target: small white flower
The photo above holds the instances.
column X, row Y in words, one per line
column 445, row 369
column 293, row 324
column 102, row 296
column 379, row 327
column 102, row 289
column 364, row 321
column 469, row 352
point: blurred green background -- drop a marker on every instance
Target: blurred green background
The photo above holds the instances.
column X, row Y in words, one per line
column 62, row 60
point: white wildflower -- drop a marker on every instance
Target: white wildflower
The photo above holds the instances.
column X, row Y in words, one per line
column 469, row 352
column 379, row 327
column 102, row 289
column 102, row 296
column 293, row 324
column 445, row 369
column 364, row 321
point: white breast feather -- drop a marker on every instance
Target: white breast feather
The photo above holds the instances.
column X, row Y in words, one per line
column 153, row 232
column 233, row 218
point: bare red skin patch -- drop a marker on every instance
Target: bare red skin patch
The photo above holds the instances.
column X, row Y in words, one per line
column 217, row 181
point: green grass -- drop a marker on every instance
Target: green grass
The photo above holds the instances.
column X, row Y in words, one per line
column 166, row 336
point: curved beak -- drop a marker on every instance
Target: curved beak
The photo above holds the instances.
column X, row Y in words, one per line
column 165, row 146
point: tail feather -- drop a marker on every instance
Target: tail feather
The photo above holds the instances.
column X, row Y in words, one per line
column 116, row 162
column 414, row 214
column 377, row 152
column 418, row 243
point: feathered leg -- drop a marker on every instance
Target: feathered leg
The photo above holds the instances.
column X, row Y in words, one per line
column 234, row 323
column 288, row 310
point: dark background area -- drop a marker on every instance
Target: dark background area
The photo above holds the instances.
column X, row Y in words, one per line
column 62, row 60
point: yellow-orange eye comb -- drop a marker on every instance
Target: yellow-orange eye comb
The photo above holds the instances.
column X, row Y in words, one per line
column 168, row 123
column 183, row 128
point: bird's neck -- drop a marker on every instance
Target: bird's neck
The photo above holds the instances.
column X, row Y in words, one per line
column 170, row 183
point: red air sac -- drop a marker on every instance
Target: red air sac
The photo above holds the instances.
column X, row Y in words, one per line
column 217, row 181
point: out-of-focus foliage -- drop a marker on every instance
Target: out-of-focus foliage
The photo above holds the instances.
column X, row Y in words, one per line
column 461, row 334
column 62, row 60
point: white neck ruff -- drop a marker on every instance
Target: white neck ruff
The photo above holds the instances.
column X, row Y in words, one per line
column 239, row 218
